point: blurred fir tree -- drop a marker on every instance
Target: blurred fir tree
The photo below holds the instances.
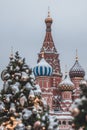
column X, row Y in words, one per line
column 79, row 108
column 21, row 104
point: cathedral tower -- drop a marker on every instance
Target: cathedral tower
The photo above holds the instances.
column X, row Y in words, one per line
column 50, row 53
column 47, row 71
column 76, row 73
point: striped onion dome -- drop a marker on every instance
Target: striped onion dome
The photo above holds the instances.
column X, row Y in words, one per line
column 42, row 68
column 76, row 70
column 66, row 84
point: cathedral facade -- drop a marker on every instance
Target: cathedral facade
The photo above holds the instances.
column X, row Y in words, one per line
column 59, row 93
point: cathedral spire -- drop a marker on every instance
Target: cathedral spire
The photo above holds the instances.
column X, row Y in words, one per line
column 48, row 22
column 48, row 44
column 49, row 49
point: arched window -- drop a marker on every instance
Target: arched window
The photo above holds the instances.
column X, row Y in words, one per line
column 64, row 122
column 69, row 122
column 59, row 123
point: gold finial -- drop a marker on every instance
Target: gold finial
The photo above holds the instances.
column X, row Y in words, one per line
column 11, row 56
column 42, row 54
column 48, row 19
column 65, row 71
column 76, row 55
column 48, row 11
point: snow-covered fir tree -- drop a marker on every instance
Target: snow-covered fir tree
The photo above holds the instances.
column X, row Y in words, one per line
column 79, row 109
column 21, row 104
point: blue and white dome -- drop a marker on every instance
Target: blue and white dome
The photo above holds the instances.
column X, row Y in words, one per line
column 42, row 68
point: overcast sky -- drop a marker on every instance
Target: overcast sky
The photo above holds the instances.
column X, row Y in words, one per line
column 22, row 26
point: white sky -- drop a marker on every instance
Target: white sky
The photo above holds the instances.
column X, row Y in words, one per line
column 22, row 26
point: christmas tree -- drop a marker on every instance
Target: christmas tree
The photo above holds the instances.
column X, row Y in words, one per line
column 21, row 104
column 79, row 109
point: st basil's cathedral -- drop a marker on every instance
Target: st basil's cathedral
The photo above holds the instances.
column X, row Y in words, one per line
column 59, row 93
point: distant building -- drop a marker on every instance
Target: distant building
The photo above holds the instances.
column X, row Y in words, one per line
column 59, row 93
